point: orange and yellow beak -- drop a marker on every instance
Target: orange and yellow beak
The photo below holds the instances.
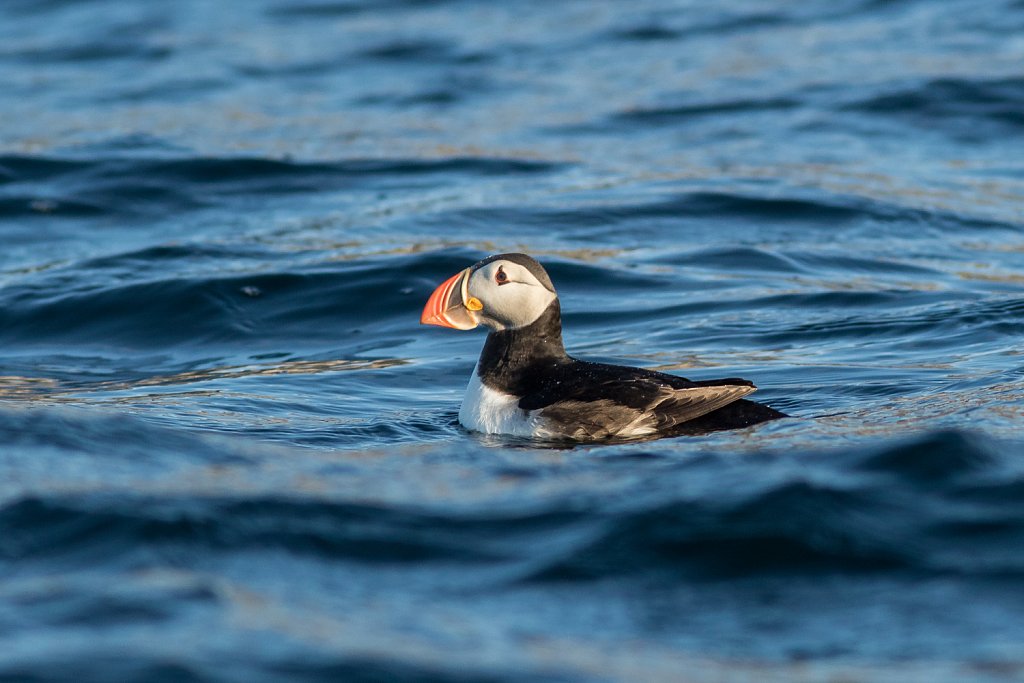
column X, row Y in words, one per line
column 451, row 305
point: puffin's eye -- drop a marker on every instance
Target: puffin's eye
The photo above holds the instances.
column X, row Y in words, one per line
column 500, row 277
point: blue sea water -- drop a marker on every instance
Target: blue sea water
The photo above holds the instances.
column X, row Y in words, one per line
column 229, row 452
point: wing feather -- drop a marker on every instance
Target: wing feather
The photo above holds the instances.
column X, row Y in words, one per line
column 664, row 408
column 683, row 405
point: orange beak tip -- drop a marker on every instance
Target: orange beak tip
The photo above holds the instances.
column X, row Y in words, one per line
column 426, row 319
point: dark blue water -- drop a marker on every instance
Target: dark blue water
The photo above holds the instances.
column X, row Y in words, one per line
column 229, row 452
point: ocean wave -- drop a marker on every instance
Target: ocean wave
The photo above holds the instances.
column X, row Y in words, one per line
column 229, row 451
column 119, row 185
column 910, row 507
column 972, row 107
column 98, row 301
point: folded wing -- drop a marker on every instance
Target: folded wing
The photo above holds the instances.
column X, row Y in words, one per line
column 643, row 406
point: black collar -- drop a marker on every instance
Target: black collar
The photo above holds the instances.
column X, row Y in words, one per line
column 511, row 356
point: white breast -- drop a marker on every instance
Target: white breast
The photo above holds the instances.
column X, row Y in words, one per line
column 492, row 412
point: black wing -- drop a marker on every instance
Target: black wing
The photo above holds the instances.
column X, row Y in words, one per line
column 595, row 400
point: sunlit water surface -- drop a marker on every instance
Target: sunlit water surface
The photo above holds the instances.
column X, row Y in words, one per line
column 229, row 452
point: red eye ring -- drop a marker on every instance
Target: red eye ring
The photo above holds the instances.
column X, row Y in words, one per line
column 500, row 277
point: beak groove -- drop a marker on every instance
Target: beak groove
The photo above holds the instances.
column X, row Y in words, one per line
column 446, row 306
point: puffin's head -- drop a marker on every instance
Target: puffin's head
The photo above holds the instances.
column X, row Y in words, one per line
column 502, row 292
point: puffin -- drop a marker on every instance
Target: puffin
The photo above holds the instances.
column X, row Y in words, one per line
column 526, row 385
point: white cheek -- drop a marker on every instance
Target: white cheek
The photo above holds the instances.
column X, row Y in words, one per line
column 525, row 304
column 514, row 304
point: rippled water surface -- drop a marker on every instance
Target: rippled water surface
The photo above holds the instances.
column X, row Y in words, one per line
column 229, row 452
